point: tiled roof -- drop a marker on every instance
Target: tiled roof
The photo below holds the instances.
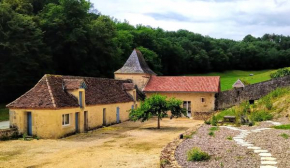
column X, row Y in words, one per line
column 50, row 93
column 136, row 64
column 128, row 86
column 183, row 84
column 72, row 83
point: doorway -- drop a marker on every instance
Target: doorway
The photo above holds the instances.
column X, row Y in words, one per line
column 104, row 117
column 29, row 124
column 187, row 107
column 77, row 116
column 85, row 121
column 118, row 114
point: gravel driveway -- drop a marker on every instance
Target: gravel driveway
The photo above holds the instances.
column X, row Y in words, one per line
column 129, row 144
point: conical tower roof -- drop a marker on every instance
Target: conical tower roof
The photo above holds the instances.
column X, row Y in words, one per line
column 136, row 64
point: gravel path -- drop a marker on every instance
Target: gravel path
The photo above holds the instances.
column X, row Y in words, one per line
column 251, row 147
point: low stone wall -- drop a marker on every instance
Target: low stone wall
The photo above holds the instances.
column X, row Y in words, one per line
column 167, row 157
column 8, row 133
column 202, row 115
column 235, row 96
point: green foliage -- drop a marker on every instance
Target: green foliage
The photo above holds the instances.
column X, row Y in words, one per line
column 157, row 105
column 230, row 138
column 195, row 154
column 261, row 116
column 227, row 112
column 211, row 133
column 285, row 127
column 214, row 128
column 286, row 136
column 280, row 73
column 214, row 121
column 4, row 113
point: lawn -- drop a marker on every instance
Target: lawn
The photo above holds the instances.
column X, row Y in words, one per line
column 228, row 78
column 4, row 113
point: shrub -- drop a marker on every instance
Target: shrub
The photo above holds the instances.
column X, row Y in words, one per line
column 207, row 122
column 280, row 73
column 211, row 133
column 229, row 138
column 261, row 116
column 195, row 154
column 214, row 121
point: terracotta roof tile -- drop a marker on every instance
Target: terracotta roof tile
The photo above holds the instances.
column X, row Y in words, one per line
column 183, row 84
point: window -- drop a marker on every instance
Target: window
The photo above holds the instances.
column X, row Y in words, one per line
column 202, row 99
column 65, row 119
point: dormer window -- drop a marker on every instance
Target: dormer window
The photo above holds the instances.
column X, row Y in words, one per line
column 81, row 99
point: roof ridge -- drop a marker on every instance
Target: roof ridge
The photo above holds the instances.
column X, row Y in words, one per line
column 27, row 91
column 50, row 93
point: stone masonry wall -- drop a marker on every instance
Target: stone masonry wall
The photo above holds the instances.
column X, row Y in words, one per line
column 235, row 96
column 8, row 133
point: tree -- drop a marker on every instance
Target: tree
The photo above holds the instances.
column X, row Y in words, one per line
column 157, row 105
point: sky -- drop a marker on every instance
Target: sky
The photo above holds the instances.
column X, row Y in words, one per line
column 231, row 19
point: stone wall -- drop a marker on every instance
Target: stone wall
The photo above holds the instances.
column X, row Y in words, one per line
column 8, row 133
column 235, row 96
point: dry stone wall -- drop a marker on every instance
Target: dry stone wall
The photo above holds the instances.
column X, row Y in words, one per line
column 235, row 96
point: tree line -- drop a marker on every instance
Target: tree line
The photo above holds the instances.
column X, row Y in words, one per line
column 70, row 37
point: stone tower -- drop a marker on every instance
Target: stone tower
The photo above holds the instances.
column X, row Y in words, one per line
column 135, row 69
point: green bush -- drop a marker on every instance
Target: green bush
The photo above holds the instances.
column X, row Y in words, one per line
column 195, row 154
column 261, row 116
column 214, row 121
column 230, row 138
column 211, row 133
column 280, row 73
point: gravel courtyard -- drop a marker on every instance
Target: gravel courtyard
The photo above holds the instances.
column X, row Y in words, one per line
column 239, row 147
column 129, row 144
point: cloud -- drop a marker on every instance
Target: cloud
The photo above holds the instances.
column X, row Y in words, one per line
column 169, row 16
column 231, row 19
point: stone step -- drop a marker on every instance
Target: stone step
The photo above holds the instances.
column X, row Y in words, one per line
column 268, row 162
column 265, row 154
column 247, row 145
column 268, row 158
column 260, row 151
column 254, row 147
column 268, row 167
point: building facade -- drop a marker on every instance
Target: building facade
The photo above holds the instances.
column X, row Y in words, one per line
column 58, row 105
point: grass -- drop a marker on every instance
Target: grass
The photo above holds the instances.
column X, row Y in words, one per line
column 286, row 136
column 285, row 127
column 4, row 113
column 228, row 78
column 229, row 138
column 214, row 128
column 196, row 154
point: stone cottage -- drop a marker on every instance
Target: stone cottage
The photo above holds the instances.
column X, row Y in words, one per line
column 58, row 105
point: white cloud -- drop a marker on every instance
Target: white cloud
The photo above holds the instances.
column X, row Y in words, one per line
column 232, row 19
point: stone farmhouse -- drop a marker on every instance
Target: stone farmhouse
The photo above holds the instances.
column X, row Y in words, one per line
column 58, row 105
